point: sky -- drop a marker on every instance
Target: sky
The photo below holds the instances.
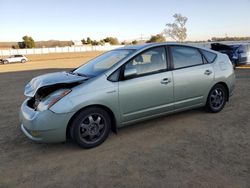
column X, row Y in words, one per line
column 124, row 19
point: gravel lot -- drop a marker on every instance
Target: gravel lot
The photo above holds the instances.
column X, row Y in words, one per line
column 189, row 149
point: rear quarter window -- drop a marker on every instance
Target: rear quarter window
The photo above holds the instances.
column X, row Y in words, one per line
column 210, row 56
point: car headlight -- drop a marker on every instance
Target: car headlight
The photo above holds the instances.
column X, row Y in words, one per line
column 52, row 99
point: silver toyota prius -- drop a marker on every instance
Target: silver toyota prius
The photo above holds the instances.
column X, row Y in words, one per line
column 122, row 87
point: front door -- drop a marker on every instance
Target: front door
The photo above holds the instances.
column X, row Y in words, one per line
column 149, row 91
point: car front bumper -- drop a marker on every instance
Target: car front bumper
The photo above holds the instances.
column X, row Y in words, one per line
column 45, row 126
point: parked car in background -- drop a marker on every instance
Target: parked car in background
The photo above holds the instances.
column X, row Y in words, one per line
column 122, row 87
column 14, row 59
column 239, row 54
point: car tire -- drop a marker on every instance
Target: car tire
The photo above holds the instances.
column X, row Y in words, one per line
column 90, row 127
column 23, row 61
column 216, row 99
column 5, row 62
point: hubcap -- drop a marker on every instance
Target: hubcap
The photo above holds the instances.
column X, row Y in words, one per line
column 92, row 128
column 217, row 98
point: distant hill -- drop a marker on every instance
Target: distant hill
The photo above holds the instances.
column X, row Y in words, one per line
column 7, row 45
column 39, row 44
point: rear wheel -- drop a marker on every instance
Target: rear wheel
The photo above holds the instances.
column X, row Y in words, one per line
column 217, row 98
column 5, row 62
column 90, row 127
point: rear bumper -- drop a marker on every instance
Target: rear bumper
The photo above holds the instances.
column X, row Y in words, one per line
column 43, row 127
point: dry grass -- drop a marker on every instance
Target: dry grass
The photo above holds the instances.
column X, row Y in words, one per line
column 55, row 56
column 45, row 61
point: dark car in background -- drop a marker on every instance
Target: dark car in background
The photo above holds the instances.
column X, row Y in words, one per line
column 239, row 54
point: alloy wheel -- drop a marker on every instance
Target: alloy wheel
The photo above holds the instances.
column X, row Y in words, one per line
column 217, row 98
column 92, row 128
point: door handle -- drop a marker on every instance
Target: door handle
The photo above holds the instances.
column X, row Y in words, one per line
column 165, row 81
column 208, row 72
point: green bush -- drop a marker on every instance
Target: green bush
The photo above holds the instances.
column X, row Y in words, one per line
column 27, row 42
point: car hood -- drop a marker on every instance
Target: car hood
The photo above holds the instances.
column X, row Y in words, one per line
column 51, row 79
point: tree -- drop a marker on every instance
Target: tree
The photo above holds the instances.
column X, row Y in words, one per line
column 27, row 42
column 94, row 43
column 101, row 42
column 89, row 41
column 157, row 38
column 111, row 40
column 134, row 42
column 177, row 30
column 83, row 41
column 114, row 41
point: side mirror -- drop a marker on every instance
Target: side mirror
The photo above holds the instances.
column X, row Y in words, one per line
column 130, row 72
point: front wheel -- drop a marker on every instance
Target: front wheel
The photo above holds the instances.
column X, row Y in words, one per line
column 5, row 62
column 217, row 98
column 90, row 127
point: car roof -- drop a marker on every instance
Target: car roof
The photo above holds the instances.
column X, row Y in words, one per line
column 148, row 45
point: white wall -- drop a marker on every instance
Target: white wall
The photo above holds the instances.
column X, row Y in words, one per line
column 57, row 50
column 86, row 48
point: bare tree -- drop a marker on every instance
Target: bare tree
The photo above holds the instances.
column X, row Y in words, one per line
column 177, row 30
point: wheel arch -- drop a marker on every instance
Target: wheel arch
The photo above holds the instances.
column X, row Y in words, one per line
column 110, row 112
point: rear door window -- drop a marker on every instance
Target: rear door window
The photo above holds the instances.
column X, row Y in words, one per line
column 185, row 56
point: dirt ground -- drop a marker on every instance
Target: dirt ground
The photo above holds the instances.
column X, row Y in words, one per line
column 49, row 61
column 188, row 149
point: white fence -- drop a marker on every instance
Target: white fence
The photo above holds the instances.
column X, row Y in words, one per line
column 57, row 50
column 85, row 49
column 68, row 49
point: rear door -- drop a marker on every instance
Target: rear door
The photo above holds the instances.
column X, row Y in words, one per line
column 192, row 75
column 150, row 91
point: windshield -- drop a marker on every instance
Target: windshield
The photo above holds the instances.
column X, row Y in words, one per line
column 102, row 63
